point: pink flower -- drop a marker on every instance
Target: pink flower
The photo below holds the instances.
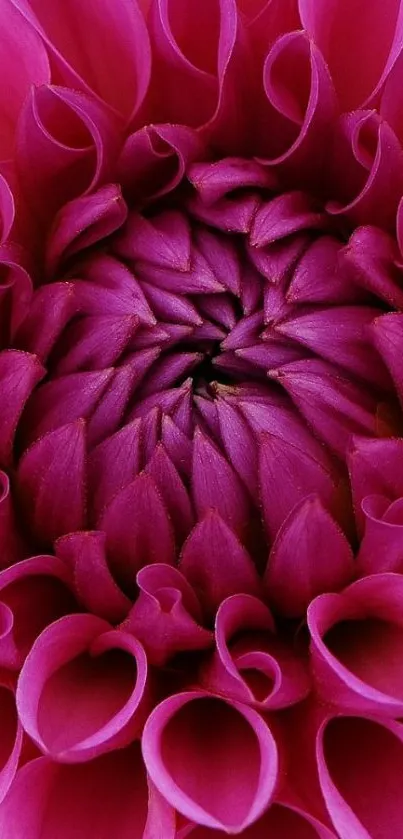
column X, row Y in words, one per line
column 201, row 436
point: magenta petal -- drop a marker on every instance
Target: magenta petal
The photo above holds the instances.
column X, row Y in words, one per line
column 33, row 594
column 50, row 310
column 166, row 616
column 360, row 763
column 371, row 255
column 94, row 585
column 216, row 564
column 214, row 180
column 12, row 546
column 281, row 821
column 119, row 42
column 387, row 336
column 138, row 530
column 287, row 476
column 154, row 159
column 112, row 465
column 376, row 468
column 376, row 32
column 173, row 492
column 216, row 485
column 250, row 663
column 357, row 642
column 65, row 144
column 81, row 670
column 51, row 480
column 286, row 214
column 214, row 760
column 84, row 222
column 19, row 373
column 381, row 548
column 163, row 242
column 56, row 798
column 11, row 739
column 33, row 69
column 310, row 555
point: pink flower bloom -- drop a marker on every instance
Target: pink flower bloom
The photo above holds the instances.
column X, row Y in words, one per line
column 201, row 436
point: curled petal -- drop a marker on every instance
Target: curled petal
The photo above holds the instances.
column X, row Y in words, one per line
column 27, row 67
column 376, row 32
column 65, row 144
column 381, row 548
column 166, row 616
column 51, row 480
column 155, row 158
column 55, row 797
column 94, row 585
column 119, row 42
column 370, row 156
column 215, row 760
column 376, row 468
column 84, row 222
column 138, row 530
column 357, row 642
column 302, row 106
column 33, row 594
column 214, row 180
column 81, row 670
column 310, row 555
column 250, row 663
column 200, row 65
column 216, row 564
column 356, row 754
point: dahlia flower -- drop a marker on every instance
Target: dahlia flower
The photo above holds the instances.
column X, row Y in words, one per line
column 201, row 435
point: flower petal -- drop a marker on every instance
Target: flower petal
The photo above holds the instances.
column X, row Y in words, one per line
column 216, row 761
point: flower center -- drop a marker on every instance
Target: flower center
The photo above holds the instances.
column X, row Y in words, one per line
column 240, row 319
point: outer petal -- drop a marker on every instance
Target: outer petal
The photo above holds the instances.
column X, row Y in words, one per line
column 33, row 594
column 381, row 548
column 115, row 63
column 166, row 616
column 376, row 468
column 281, row 821
column 56, row 798
column 23, row 59
column 360, row 763
column 81, row 670
column 357, row 643
column 11, row 738
column 302, row 107
column 375, row 31
column 251, row 664
column 216, row 761
column 369, row 155
column 66, row 142
column 201, row 66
